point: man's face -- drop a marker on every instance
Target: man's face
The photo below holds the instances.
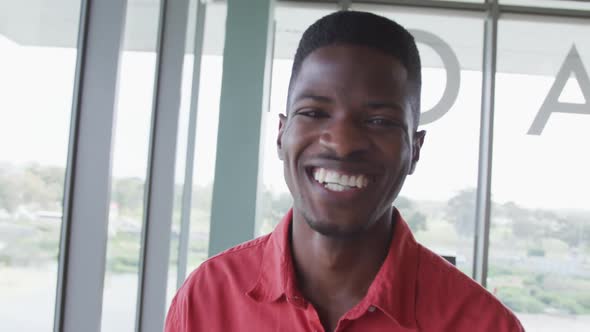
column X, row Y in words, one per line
column 348, row 140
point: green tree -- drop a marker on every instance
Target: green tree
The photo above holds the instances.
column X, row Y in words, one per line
column 460, row 212
column 408, row 209
column 573, row 229
column 43, row 185
column 525, row 223
column 31, row 185
column 128, row 194
column 9, row 190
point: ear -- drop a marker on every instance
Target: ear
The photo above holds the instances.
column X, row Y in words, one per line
column 416, row 146
column 282, row 123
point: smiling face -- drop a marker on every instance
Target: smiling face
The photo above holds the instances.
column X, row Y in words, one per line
column 349, row 139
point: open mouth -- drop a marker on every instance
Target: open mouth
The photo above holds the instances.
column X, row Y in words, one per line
column 337, row 181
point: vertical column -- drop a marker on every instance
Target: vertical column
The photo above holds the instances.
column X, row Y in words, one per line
column 244, row 96
column 187, row 190
column 484, row 179
column 155, row 247
column 87, row 190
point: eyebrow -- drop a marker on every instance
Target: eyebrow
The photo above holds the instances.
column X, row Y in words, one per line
column 371, row 104
column 385, row 104
column 321, row 99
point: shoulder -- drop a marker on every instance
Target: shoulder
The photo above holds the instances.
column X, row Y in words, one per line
column 448, row 297
column 214, row 283
column 239, row 265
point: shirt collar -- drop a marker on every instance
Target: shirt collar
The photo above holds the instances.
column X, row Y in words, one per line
column 277, row 273
column 393, row 291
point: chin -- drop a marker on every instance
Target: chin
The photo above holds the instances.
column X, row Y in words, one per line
column 330, row 229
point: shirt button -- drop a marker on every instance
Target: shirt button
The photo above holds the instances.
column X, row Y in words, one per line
column 371, row 309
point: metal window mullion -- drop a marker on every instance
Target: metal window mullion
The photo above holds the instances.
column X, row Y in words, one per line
column 84, row 233
column 457, row 5
column 544, row 11
column 483, row 197
column 157, row 226
column 185, row 218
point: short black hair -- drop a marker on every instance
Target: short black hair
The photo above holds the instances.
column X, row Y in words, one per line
column 369, row 30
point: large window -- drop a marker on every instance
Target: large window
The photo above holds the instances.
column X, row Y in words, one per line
column 130, row 162
column 540, row 231
column 37, row 69
column 206, row 134
column 203, row 104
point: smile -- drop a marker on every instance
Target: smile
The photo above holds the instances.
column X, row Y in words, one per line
column 336, row 181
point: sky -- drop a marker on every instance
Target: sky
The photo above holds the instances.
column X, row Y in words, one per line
column 546, row 171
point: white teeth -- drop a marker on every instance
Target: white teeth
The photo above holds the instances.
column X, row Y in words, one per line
column 339, row 182
column 331, row 177
column 352, row 181
column 343, row 180
column 321, row 175
column 360, row 181
column 335, row 187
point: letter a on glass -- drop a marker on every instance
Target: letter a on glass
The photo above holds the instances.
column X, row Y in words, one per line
column 572, row 65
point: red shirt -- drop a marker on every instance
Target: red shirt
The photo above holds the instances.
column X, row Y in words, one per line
column 252, row 287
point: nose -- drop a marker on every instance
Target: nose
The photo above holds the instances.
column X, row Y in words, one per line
column 344, row 137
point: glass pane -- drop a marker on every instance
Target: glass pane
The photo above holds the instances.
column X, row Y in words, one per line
column 38, row 47
column 206, row 133
column 205, row 140
column 131, row 144
column 540, row 231
column 562, row 4
column 181, row 150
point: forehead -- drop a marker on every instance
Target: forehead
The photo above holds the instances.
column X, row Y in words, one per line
column 353, row 71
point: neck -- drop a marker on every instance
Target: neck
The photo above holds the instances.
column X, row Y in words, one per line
column 338, row 270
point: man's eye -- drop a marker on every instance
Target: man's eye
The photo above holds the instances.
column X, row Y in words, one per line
column 382, row 122
column 312, row 113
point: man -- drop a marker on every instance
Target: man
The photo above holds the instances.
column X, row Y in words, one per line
column 342, row 259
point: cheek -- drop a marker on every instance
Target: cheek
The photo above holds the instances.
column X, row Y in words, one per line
column 398, row 161
column 296, row 142
column 290, row 153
